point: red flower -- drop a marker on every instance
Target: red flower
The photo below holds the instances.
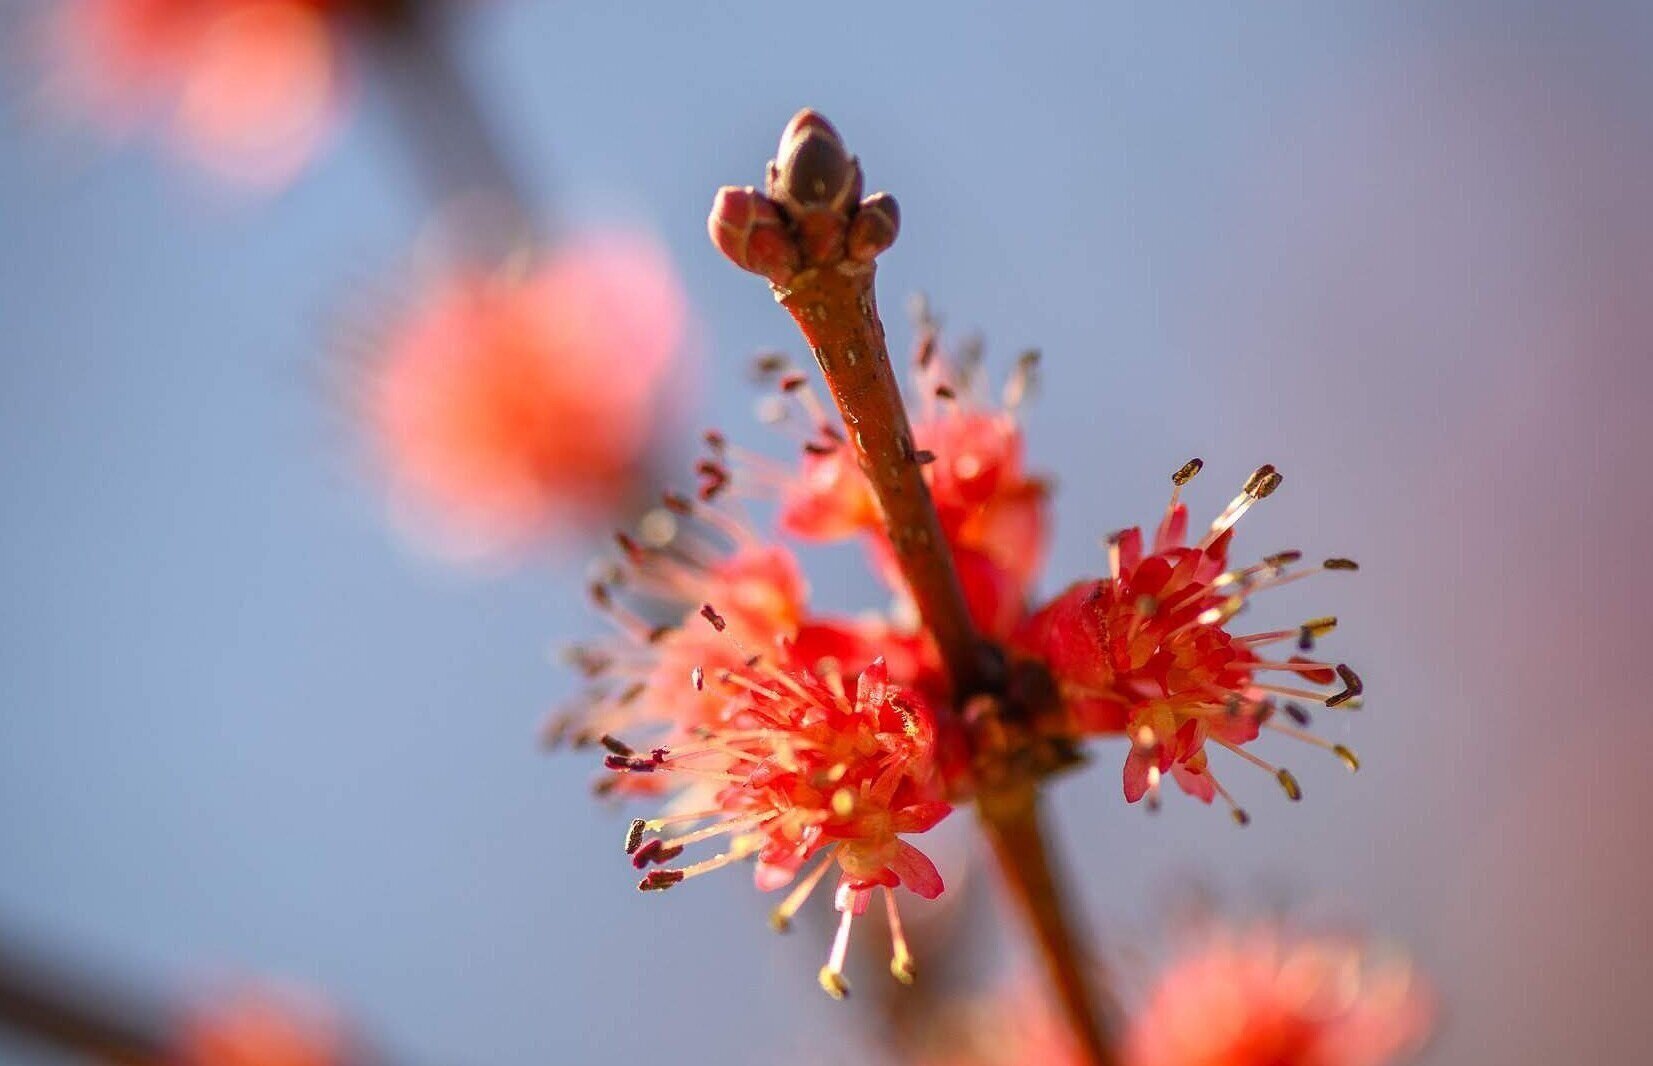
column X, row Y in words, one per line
column 507, row 405
column 801, row 772
column 248, row 88
column 1261, row 999
column 256, row 1029
column 1147, row 652
column 992, row 511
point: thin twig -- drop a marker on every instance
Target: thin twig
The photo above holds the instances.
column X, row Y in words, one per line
column 1011, row 819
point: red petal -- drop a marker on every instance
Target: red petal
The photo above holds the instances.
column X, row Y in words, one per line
column 916, row 871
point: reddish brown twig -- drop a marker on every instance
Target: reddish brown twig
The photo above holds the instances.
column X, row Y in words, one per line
column 815, row 238
column 1011, row 819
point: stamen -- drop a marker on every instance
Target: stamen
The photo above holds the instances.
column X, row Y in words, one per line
column 1340, row 564
column 1185, row 473
column 901, row 959
column 616, row 746
column 708, row 613
column 634, row 835
column 832, row 974
column 732, row 825
column 780, row 919
column 1022, row 379
column 1347, row 756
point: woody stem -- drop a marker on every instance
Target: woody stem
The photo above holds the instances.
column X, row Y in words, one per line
column 1010, row 817
column 837, row 313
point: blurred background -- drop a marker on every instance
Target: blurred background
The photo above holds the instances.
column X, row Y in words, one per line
column 1403, row 252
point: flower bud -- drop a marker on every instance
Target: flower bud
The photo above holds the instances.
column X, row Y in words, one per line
column 812, row 169
column 874, row 227
column 748, row 228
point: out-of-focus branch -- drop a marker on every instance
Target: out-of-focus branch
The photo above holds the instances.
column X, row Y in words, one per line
column 455, row 150
column 46, row 1003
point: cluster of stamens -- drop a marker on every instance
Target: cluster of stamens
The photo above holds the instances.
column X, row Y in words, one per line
column 803, row 773
column 1146, row 652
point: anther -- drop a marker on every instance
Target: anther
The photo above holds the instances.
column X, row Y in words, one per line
column 766, row 363
column 713, row 478
column 677, row 504
column 1185, row 473
column 793, row 381
column 924, row 457
column 655, row 851
column 697, row 677
column 1293, row 790
column 1241, row 817
column 634, row 836
column 1297, row 713
column 1341, row 564
column 833, row 983
column 1279, row 559
column 901, row 968
column 1262, row 482
column 713, row 617
column 945, row 392
column 1348, row 757
column 659, row 880
column 633, row 764
column 600, row 596
column 1351, row 686
column 617, row 746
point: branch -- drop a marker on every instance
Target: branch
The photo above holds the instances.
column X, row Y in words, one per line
column 457, row 154
column 815, row 239
column 63, row 1012
column 1011, row 819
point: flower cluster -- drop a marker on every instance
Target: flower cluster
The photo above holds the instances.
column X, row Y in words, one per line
column 261, row 1029
column 1259, row 996
column 1146, row 653
column 742, row 690
column 503, row 404
column 248, row 88
column 993, row 512
column 801, row 771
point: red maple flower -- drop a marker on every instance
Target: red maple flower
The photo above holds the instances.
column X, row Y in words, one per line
column 664, row 672
column 258, row 1029
column 1147, row 652
column 993, row 512
column 248, row 88
column 1260, row 998
column 803, row 771
column 507, row 405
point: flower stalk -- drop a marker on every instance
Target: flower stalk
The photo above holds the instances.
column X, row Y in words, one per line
column 815, row 238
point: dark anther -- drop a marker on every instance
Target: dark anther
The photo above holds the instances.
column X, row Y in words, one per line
column 1351, row 687
column 707, row 612
column 1185, row 473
